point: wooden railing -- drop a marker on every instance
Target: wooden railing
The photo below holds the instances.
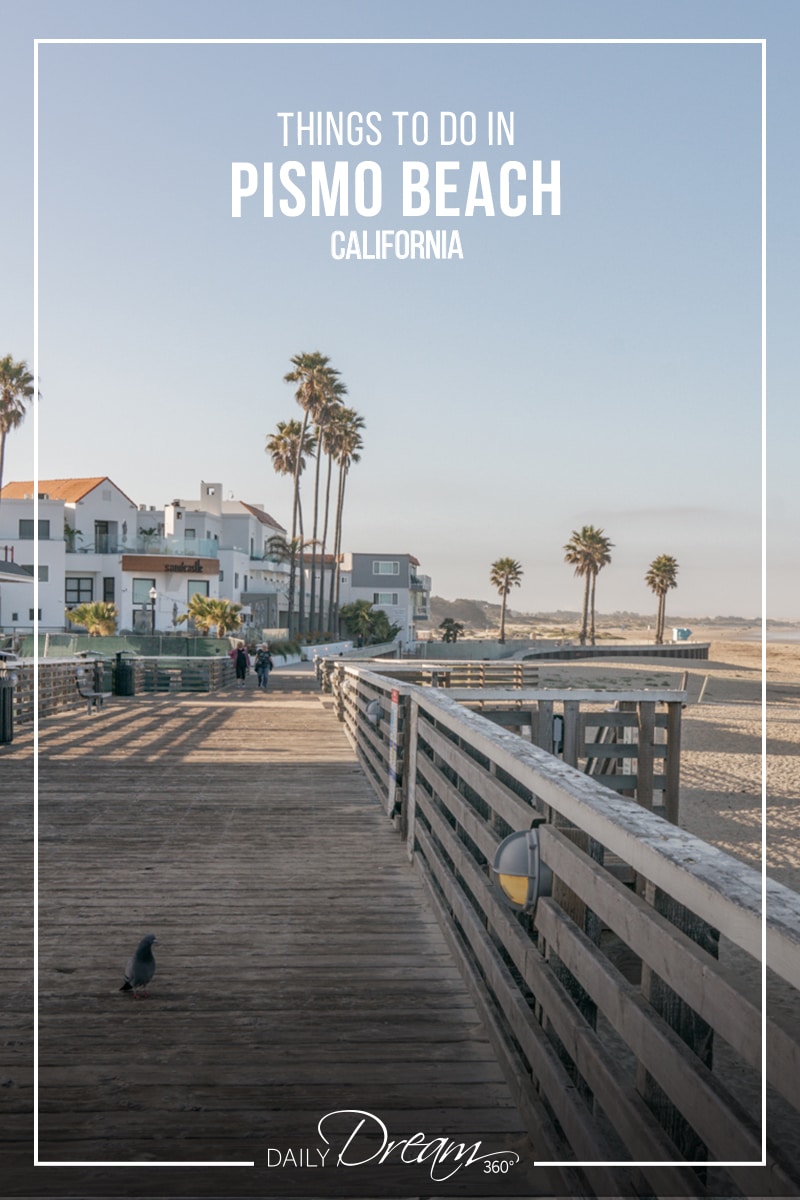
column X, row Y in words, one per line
column 444, row 673
column 57, row 689
column 183, row 675
column 605, row 1006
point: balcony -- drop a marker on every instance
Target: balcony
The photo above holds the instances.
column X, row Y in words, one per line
column 420, row 583
column 193, row 547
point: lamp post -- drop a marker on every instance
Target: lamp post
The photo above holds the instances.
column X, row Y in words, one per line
column 153, row 595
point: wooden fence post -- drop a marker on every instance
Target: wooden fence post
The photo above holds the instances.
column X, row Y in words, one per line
column 410, row 773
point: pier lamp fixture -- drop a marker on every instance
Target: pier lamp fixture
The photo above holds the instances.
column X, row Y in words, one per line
column 153, row 595
column 374, row 712
column 518, row 872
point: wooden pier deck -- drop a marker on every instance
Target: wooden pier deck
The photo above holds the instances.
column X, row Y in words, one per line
column 300, row 971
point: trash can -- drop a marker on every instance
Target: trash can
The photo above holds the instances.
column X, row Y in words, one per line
column 123, row 680
column 6, row 710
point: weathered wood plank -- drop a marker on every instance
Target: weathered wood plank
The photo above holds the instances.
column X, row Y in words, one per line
column 633, row 1122
column 711, row 1110
column 680, row 962
column 509, row 806
column 299, row 965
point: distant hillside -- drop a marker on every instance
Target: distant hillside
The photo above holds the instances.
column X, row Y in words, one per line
column 477, row 615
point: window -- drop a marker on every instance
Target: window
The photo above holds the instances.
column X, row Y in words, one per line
column 385, row 568
column 189, row 533
column 141, row 590
column 384, row 597
column 30, row 614
column 26, row 530
column 222, row 573
column 196, row 587
column 44, row 574
column 236, row 579
column 108, row 589
column 78, row 590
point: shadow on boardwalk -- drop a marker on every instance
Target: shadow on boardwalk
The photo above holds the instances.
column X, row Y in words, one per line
column 299, row 969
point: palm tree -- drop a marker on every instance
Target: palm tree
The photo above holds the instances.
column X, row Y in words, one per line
column 662, row 574
column 282, row 550
column 333, row 434
column 323, row 414
column 289, row 448
column 505, row 574
column 16, row 387
column 207, row 613
column 588, row 551
column 452, row 629
column 601, row 557
column 346, row 446
column 357, row 617
column 316, row 381
column 99, row 618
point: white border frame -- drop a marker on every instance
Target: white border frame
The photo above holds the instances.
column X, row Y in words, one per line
column 407, row 41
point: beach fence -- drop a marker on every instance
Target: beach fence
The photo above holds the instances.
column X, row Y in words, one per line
column 620, row 1009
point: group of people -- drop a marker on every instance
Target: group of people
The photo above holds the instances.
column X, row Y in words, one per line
column 242, row 662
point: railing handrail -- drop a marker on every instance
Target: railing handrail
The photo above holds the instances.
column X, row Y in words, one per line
column 716, row 886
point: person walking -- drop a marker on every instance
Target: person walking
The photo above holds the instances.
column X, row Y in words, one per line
column 241, row 660
column 264, row 665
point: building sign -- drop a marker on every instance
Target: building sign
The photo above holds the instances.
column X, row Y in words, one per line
column 170, row 565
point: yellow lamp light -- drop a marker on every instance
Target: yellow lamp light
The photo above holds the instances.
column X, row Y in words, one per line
column 518, row 871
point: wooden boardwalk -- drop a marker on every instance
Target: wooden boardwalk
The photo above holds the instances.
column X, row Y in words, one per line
column 300, row 971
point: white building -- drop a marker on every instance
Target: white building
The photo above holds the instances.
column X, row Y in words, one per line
column 251, row 572
column 95, row 543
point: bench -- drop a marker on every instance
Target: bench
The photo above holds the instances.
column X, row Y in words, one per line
column 83, row 682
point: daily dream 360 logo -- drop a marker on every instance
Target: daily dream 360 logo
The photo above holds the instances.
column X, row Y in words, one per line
column 352, row 1137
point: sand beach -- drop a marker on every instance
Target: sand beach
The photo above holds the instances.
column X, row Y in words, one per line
column 721, row 755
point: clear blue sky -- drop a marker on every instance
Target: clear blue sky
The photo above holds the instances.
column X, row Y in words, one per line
column 600, row 367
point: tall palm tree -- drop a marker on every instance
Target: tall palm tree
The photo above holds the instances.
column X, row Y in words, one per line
column 316, row 379
column 662, row 574
column 323, row 414
column 289, row 448
column 505, row 574
column 348, row 443
column 16, row 388
column 601, row 557
column 588, row 551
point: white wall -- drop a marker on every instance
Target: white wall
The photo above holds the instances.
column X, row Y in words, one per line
column 17, row 599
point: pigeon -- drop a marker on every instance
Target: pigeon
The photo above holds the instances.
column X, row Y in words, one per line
column 140, row 967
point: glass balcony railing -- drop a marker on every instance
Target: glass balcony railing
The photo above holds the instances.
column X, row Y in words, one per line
column 420, row 583
column 183, row 547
